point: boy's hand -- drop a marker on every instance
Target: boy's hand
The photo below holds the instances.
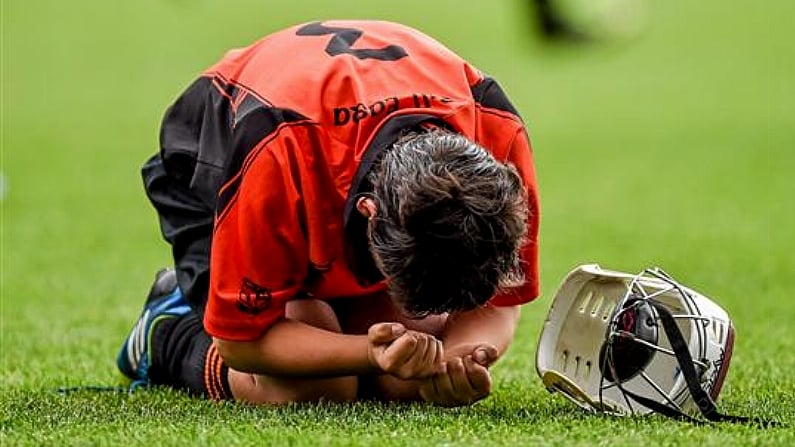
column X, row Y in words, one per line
column 464, row 382
column 466, row 378
column 402, row 353
column 484, row 354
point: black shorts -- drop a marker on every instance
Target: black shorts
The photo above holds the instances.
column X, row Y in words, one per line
column 186, row 221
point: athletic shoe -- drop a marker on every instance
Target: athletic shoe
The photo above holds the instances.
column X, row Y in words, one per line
column 165, row 301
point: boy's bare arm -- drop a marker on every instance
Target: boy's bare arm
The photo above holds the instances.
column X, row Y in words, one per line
column 296, row 349
column 485, row 333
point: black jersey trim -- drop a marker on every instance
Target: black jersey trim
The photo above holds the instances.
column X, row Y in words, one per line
column 488, row 93
column 210, row 130
column 246, row 136
column 251, row 122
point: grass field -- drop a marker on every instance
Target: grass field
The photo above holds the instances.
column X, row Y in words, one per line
column 675, row 149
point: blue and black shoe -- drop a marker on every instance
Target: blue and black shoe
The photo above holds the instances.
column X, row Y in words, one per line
column 165, row 301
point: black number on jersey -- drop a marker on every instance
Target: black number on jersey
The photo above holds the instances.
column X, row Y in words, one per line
column 343, row 38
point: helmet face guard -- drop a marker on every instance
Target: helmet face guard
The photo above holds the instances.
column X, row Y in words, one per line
column 634, row 344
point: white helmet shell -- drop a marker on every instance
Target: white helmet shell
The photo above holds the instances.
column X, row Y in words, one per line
column 602, row 341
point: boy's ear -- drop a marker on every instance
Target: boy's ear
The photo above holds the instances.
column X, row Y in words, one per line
column 366, row 207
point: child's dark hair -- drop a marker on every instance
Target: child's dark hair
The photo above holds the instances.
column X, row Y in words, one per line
column 449, row 225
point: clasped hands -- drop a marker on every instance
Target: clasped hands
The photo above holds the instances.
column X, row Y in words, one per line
column 453, row 378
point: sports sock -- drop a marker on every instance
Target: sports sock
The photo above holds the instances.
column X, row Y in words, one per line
column 184, row 357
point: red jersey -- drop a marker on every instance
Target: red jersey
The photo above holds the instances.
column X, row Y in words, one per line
column 290, row 126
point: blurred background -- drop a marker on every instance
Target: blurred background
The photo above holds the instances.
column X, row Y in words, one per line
column 664, row 134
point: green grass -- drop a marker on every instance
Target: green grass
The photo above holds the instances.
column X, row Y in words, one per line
column 674, row 149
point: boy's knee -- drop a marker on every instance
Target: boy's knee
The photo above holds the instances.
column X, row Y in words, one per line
column 344, row 389
column 260, row 389
column 338, row 389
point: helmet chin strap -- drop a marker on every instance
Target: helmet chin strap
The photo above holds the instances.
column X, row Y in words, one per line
column 704, row 402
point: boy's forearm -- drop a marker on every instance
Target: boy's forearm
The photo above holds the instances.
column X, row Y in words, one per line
column 293, row 348
column 463, row 332
column 493, row 325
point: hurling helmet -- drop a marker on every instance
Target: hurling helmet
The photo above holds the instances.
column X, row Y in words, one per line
column 625, row 344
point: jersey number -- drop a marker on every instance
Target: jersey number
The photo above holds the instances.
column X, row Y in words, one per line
column 343, row 38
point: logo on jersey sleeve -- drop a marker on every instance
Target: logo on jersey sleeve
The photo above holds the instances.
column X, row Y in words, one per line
column 253, row 298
